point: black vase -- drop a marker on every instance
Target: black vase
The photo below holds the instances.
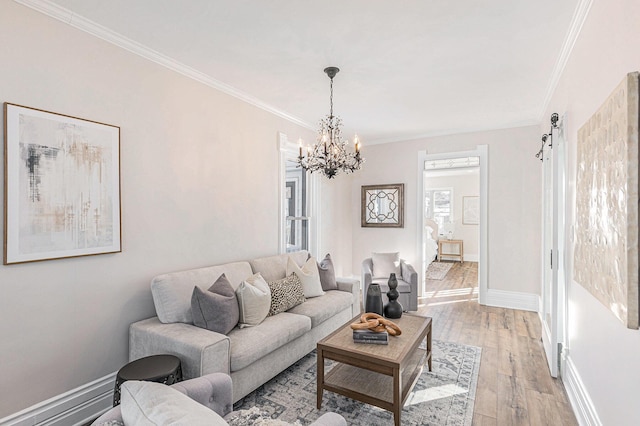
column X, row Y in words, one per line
column 373, row 302
column 393, row 309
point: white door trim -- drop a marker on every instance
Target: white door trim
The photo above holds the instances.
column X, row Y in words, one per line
column 481, row 151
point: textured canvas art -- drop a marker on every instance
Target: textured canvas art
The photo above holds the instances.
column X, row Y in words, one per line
column 62, row 186
column 606, row 244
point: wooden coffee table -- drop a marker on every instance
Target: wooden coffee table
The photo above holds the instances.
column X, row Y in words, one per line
column 380, row 375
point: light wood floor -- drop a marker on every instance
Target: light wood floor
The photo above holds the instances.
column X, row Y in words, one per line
column 514, row 384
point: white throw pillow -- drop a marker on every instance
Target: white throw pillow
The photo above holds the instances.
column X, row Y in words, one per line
column 150, row 403
column 254, row 300
column 385, row 264
column 308, row 275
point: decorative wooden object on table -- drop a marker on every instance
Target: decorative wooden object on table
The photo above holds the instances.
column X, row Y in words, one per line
column 380, row 375
column 376, row 323
column 165, row 369
column 459, row 254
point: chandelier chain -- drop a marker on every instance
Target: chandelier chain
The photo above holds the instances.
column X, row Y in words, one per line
column 331, row 99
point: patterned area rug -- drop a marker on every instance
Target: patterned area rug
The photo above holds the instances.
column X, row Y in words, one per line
column 444, row 396
column 437, row 270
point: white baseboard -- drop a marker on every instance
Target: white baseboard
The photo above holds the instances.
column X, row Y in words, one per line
column 578, row 395
column 512, row 300
column 471, row 258
column 76, row 407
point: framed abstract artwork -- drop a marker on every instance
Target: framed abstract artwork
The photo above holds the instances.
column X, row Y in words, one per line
column 61, row 186
column 382, row 206
column 606, row 206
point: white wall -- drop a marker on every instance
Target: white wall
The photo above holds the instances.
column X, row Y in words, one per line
column 199, row 187
column 514, row 193
column 603, row 351
column 465, row 183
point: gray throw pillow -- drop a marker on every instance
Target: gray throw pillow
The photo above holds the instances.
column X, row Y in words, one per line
column 216, row 309
column 327, row 274
column 285, row 294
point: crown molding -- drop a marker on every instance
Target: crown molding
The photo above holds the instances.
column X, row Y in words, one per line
column 68, row 17
column 458, row 131
column 578, row 20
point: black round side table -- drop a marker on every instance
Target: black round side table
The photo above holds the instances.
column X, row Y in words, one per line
column 155, row 368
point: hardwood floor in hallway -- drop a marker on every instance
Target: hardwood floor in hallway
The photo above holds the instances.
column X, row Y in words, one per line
column 514, row 384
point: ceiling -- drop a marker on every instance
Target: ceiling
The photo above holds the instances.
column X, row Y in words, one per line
column 409, row 68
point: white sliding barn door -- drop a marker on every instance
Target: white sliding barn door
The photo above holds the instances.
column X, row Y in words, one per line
column 553, row 285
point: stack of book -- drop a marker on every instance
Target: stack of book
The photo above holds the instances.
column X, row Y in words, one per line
column 372, row 337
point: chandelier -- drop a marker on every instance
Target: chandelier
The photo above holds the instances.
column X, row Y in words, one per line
column 330, row 154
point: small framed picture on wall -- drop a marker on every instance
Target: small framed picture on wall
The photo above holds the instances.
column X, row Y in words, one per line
column 471, row 210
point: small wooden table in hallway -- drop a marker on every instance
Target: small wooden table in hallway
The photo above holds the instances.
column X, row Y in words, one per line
column 459, row 254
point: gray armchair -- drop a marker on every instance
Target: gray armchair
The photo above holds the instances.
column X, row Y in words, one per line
column 214, row 391
column 407, row 284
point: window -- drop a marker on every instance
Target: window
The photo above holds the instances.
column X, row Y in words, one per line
column 295, row 210
column 439, row 207
column 298, row 218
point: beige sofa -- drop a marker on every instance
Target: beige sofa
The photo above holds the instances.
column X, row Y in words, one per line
column 252, row 355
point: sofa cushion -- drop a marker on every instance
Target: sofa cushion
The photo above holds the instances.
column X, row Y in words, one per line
column 285, row 294
column 172, row 292
column 150, row 403
column 308, row 275
column 215, row 309
column 275, row 267
column 327, row 274
column 254, row 300
column 403, row 286
column 252, row 343
column 384, row 264
column 320, row 309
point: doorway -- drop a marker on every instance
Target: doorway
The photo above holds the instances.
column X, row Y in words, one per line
column 475, row 215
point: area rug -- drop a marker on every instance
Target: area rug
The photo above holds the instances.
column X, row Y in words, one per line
column 437, row 270
column 444, row 396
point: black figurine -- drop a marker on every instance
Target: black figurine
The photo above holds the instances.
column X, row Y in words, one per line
column 393, row 309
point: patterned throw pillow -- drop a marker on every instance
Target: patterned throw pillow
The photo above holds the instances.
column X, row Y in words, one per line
column 285, row 294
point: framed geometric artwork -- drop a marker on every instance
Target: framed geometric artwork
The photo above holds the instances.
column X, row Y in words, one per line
column 382, row 206
column 470, row 210
column 606, row 211
column 61, row 186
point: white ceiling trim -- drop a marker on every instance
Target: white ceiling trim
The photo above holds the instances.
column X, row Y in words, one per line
column 457, row 131
column 81, row 23
column 579, row 17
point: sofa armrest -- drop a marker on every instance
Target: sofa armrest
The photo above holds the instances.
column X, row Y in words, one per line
column 351, row 285
column 214, row 391
column 410, row 276
column 200, row 351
